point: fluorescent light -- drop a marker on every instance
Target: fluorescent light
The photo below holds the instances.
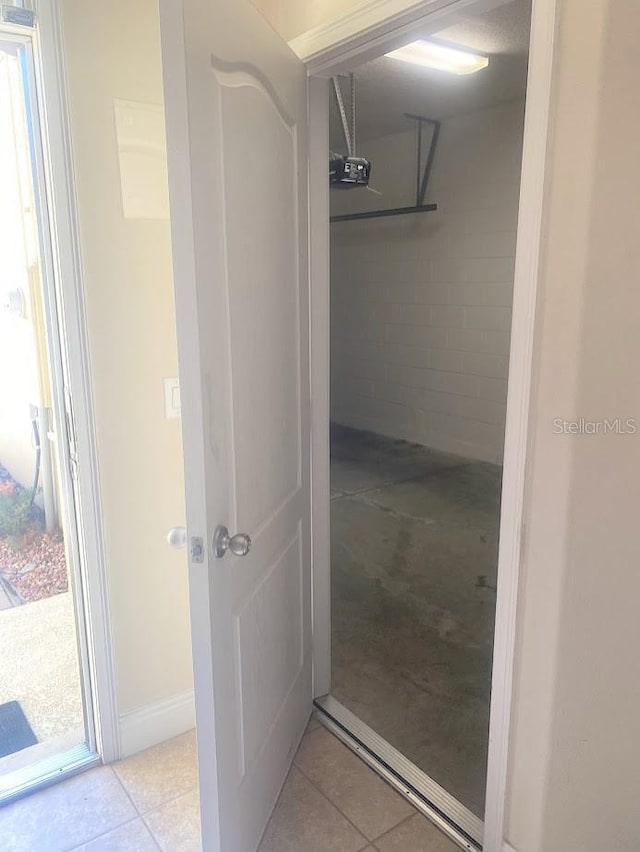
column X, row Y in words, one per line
column 432, row 55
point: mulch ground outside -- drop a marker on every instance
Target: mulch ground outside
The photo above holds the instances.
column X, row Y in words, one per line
column 36, row 567
column 35, row 563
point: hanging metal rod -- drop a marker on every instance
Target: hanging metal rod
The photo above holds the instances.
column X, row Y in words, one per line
column 422, row 176
column 348, row 132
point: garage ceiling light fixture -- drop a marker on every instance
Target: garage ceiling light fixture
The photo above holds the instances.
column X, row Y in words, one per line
column 443, row 58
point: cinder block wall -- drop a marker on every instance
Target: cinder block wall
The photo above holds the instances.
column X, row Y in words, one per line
column 421, row 304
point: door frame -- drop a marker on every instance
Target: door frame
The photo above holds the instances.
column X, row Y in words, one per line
column 65, row 318
column 370, row 30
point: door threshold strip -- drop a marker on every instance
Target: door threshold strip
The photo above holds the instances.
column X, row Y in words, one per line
column 426, row 795
column 22, row 782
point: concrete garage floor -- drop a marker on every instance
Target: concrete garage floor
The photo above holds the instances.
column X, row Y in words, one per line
column 414, row 541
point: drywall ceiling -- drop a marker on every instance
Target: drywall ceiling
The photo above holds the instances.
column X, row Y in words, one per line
column 387, row 88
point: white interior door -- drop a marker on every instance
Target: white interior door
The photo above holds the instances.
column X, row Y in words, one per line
column 236, row 114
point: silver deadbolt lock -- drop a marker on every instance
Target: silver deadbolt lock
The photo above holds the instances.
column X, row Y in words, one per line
column 239, row 544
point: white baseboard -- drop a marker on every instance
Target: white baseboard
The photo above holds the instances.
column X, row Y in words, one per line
column 156, row 723
column 507, row 847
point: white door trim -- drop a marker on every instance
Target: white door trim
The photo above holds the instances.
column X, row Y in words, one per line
column 363, row 30
column 520, row 389
column 319, row 369
column 67, row 274
column 353, row 46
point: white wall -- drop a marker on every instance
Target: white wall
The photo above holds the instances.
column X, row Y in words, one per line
column 18, row 392
column 112, row 51
column 291, row 17
column 574, row 778
column 421, row 304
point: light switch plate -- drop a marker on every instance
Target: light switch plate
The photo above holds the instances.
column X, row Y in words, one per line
column 171, row 398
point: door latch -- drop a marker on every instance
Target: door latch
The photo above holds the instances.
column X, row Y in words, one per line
column 196, row 549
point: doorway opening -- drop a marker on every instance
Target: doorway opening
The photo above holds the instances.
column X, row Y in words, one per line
column 422, row 272
column 46, row 709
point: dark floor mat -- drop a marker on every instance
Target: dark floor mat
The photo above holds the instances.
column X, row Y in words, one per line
column 15, row 731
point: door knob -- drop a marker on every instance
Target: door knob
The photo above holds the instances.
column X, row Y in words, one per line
column 239, row 544
column 177, row 537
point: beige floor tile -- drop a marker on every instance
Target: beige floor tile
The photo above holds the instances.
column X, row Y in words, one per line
column 133, row 836
column 161, row 773
column 304, row 821
column 371, row 804
column 176, row 825
column 416, row 835
column 65, row 815
column 313, row 724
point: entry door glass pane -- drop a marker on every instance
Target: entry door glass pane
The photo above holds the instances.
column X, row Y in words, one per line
column 41, row 703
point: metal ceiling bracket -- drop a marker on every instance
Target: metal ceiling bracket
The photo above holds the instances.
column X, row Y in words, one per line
column 384, row 214
column 422, row 175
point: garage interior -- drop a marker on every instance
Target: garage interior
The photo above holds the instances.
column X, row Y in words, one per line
column 420, row 334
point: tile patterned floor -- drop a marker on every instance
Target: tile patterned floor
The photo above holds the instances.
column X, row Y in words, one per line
column 331, row 802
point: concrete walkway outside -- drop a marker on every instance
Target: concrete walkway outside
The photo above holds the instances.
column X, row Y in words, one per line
column 40, row 669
